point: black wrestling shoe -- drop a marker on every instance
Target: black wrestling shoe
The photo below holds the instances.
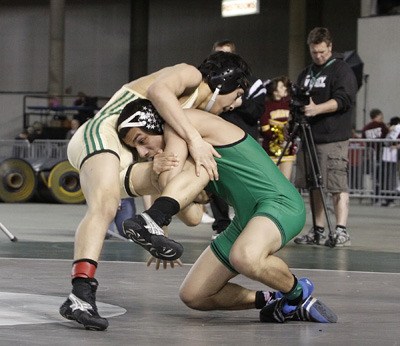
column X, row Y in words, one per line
column 81, row 306
column 144, row 231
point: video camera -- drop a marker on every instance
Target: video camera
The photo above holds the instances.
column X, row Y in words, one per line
column 300, row 96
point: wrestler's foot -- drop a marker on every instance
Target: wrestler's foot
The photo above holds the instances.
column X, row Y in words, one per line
column 313, row 310
column 81, row 306
column 309, row 309
column 144, row 231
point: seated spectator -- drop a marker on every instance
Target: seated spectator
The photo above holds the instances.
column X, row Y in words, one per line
column 74, row 126
column 90, row 106
column 38, row 132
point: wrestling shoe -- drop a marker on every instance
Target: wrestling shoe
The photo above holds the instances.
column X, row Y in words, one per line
column 309, row 309
column 313, row 310
column 278, row 310
column 144, row 231
column 81, row 306
column 313, row 237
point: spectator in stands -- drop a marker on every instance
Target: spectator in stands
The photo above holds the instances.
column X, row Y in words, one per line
column 74, row 126
column 26, row 134
column 89, row 107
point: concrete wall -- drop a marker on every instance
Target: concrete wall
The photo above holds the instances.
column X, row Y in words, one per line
column 379, row 48
column 97, row 39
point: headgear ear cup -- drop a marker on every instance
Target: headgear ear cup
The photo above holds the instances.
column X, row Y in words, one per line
column 226, row 73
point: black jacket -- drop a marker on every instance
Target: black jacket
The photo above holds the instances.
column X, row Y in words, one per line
column 335, row 80
column 249, row 113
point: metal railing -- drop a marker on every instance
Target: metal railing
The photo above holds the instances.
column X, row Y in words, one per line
column 374, row 168
column 38, row 149
column 369, row 175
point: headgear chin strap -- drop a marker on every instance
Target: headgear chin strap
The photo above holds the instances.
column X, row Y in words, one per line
column 213, row 98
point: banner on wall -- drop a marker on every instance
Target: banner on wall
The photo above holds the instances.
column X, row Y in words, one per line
column 231, row 8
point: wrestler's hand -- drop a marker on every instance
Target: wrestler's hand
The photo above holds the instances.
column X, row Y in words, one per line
column 203, row 155
column 164, row 262
column 164, row 162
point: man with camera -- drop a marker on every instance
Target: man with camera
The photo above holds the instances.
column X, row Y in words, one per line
column 332, row 87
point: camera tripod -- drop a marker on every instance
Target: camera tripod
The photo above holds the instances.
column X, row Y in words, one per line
column 301, row 128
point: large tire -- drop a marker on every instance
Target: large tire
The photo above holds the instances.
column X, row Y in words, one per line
column 63, row 184
column 18, row 180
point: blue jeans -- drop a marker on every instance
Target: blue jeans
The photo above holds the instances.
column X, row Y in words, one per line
column 126, row 210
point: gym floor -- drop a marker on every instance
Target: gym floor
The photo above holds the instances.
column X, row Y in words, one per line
column 360, row 283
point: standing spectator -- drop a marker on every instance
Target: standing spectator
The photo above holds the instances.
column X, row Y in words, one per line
column 273, row 122
column 247, row 117
column 333, row 87
column 389, row 162
column 375, row 129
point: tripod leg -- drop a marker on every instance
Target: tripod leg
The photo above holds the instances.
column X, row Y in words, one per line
column 8, row 233
column 316, row 179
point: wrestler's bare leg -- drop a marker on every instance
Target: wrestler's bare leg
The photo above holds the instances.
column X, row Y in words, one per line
column 99, row 178
column 207, row 286
column 143, row 181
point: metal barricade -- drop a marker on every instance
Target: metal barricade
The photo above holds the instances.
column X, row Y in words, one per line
column 370, row 173
column 38, row 149
column 49, row 149
column 19, row 149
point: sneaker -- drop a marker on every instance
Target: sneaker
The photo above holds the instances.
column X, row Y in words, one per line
column 313, row 237
column 278, row 310
column 81, row 306
column 207, row 218
column 144, row 231
column 342, row 238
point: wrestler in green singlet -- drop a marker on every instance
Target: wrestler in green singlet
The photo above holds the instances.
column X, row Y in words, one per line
column 253, row 185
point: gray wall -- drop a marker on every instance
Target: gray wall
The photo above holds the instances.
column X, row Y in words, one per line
column 186, row 33
column 96, row 45
column 97, row 40
column 379, row 47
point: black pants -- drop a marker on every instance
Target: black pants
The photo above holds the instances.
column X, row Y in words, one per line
column 220, row 211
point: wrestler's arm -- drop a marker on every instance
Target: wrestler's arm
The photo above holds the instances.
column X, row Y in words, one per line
column 164, row 92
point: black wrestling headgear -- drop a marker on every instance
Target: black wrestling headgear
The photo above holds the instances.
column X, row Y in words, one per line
column 140, row 113
column 225, row 71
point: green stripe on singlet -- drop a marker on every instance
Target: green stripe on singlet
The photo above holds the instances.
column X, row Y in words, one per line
column 92, row 136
